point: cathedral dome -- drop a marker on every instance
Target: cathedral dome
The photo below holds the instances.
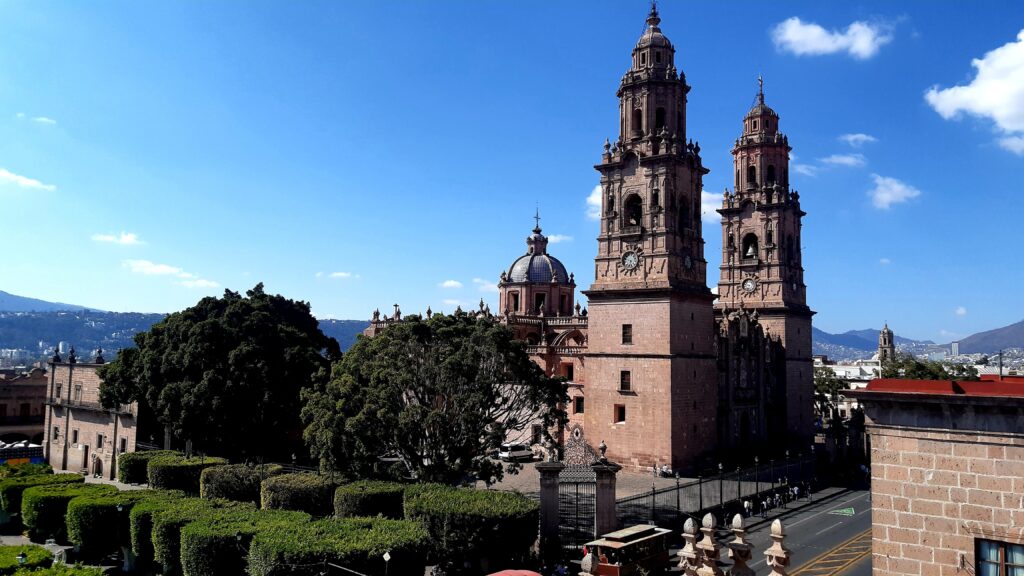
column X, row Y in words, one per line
column 653, row 36
column 537, row 265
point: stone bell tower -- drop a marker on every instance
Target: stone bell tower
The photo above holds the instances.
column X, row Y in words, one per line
column 650, row 383
column 762, row 266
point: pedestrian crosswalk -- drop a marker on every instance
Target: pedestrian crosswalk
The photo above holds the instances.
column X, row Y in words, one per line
column 833, row 562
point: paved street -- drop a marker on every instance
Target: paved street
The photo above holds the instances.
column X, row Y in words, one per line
column 826, row 537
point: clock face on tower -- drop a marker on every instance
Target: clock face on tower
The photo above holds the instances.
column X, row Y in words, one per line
column 749, row 285
column 630, row 260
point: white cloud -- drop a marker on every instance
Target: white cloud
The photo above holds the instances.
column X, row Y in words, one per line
column 556, row 238
column 1014, row 144
column 44, row 120
column 709, row 204
column 152, row 269
column 852, row 160
column 884, row 261
column 199, row 283
column 857, row 140
column 805, row 169
column 996, row 92
column 594, row 203
column 485, row 285
column 341, row 275
column 860, row 40
column 124, row 239
column 961, row 311
column 24, row 181
column 889, row 191
column 450, row 284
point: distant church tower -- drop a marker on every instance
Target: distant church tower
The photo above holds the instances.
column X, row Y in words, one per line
column 651, row 367
column 762, row 267
column 886, row 345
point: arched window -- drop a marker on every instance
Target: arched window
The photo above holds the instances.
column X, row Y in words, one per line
column 659, row 118
column 634, row 211
column 771, row 174
column 684, row 216
column 654, row 197
column 751, row 175
column 749, row 247
column 638, row 123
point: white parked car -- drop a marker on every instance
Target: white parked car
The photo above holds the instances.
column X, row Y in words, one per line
column 509, row 452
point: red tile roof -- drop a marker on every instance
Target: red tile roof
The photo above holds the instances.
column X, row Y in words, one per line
column 1009, row 386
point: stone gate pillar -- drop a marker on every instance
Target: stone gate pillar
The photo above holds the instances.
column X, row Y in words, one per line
column 605, row 518
column 549, row 506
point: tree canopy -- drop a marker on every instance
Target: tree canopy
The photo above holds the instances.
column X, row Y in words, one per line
column 438, row 395
column 826, row 390
column 226, row 373
column 911, row 368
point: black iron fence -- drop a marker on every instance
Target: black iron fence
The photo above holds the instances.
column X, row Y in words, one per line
column 763, row 485
column 577, row 506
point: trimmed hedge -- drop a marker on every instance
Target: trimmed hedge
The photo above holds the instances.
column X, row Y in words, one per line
column 96, row 526
column 356, row 543
column 35, row 557
column 306, row 492
column 141, row 522
column 175, row 472
column 217, row 543
column 167, row 525
column 11, row 488
column 10, row 471
column 43, row 507
column 468, row 524
column 132, row 467
column 63, row 570
column 369, row 498
column 239, row 482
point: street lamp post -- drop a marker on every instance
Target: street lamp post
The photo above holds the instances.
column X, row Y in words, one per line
column 721, row 478
column 771, row 472
column 757, row 479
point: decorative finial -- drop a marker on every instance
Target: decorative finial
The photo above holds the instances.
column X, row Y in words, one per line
column 652, row 18
column 760, row 89
column 536, row 218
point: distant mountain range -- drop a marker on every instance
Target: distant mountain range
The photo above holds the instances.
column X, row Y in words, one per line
column 28, row 323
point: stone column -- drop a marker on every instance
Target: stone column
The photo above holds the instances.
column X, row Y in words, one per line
column 549, row 506
column 605, row 519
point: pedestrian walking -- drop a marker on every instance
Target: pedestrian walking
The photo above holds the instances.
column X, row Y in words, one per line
column 746, row 508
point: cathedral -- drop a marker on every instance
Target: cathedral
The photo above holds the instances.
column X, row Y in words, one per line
column 662, row 370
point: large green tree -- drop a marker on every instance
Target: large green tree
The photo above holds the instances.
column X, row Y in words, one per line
column 437, row 395
column 826, row 390
column 226, row 373
column 909, row 367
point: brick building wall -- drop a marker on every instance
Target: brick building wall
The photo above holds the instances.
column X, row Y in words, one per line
column 23, row 405
column 947, row 472
column 81, row 435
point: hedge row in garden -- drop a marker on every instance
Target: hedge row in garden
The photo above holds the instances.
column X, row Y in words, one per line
column 239, row 482
column 356, row 543
column 43, row 507
column 35, row 557
column 132, row 467
column 305, row 492
column 176, row 472
column 100, row 524
column 63, row 570
column 468, row 525
column 217, row 542
column 167, row 525
column 12, row 488
column 369, row 498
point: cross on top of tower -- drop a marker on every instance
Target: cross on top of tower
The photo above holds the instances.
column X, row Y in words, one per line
column 652, row 18
column 760, row 89
column 536, row 218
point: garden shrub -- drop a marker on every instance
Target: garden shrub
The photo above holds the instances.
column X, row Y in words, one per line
column 35, row 557
column 132, row 467
column 239, row 482
column 468, row 524
column 141, row 522
column 369, row 498
column 167, row 525
column 43, row 507
column 216, row 544
column 356, row 543
column 175, row 472
column 11, row 488
column 306, row 492
column 96, row 526
column 63, row 570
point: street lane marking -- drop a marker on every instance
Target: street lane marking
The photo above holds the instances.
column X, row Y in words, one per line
column 829, row 528
column 801, row 521
column 837, row 559
column 844, row 511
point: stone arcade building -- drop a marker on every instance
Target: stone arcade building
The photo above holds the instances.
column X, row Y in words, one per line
column 660, row 370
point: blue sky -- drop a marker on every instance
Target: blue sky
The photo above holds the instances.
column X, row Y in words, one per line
column 359, row 154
